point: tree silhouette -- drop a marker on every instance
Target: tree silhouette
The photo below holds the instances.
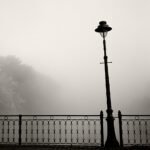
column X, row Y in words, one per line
column 22, row 89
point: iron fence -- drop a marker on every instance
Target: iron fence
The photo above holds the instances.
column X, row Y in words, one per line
column 71, row 130
column 134, row 129
column 52, row 129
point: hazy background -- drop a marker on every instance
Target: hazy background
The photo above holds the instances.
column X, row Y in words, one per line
column 57, row 55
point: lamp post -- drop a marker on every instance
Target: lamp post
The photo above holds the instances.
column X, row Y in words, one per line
column 111, row 141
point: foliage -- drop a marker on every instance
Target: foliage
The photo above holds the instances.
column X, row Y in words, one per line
column 22, row 89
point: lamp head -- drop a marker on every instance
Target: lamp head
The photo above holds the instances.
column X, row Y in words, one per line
column 103, row 28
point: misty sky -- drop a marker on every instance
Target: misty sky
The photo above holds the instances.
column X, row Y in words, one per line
column 57, row 38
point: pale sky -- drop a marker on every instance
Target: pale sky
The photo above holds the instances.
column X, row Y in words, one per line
column 57, row 38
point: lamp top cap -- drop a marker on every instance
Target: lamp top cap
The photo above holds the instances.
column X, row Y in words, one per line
column 103, row 27
column 102, row 22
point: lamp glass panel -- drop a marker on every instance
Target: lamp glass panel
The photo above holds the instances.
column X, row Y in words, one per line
column 103, row 34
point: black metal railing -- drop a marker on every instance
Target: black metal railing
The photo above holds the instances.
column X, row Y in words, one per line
column 52, row 129
column 72, row 130
column 134, row 129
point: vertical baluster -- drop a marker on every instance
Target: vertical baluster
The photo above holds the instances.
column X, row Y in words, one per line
column 37, row 131
column 83, row 131
column 140, row 132
column 31, row 131
column 89, row 132
column 26, row 131
column 59, row 131
column 86, row 130
column 48, row 131
column 43, row 131
column 71, row 131
column 8, row 131
column 2, row 131
column 54, row 131
column 5, row 128
column 134, row 132
column 77, row 131
column 95, row 131
column 13, row 131
column 146, row 132
column 20, row 129
column 65, row 131
column 69, row 126
column 128, row 132
column 102, row 128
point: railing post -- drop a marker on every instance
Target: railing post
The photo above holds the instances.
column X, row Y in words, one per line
column 120, row 128
column 20, row 123
column 102, row 129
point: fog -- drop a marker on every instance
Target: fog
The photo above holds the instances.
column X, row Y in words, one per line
column 57, row 41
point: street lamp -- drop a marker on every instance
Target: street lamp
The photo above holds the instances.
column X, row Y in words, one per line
column 111, row 140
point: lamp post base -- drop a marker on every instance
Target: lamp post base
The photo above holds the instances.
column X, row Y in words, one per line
column 111, row 141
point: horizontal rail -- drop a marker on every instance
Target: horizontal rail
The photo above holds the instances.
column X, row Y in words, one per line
column 49, row 115
column 136, row 115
